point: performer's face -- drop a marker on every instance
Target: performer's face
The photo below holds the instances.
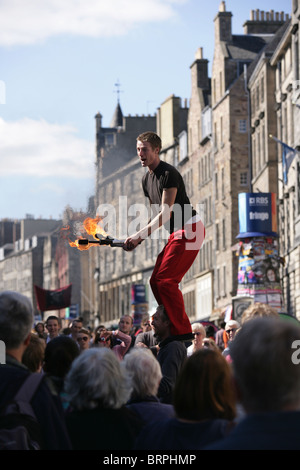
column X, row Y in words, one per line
column 148, row 156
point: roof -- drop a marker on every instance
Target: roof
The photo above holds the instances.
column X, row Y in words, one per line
column 117, row 119
column 269, row 48
column 246, row 47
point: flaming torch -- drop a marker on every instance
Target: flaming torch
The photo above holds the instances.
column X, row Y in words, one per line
column 100, row 237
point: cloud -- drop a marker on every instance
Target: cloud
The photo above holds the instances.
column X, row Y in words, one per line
column 38, row 148
column 32, row 21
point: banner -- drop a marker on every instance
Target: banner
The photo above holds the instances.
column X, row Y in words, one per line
column 257, row 215
column 138, row 294
column 53, row 299
column 288, row 155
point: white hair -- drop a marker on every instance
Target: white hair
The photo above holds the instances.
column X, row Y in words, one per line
column 232, row 324
column 97, row 379
column 144, row 370
column 16, row 318
column 199, row 327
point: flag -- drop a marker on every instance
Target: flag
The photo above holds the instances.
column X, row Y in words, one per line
column 288, row 155
column 53, row 299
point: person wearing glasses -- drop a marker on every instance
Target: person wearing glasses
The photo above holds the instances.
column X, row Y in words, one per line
column 199, row 335
column 231, row 328
column 84, row 339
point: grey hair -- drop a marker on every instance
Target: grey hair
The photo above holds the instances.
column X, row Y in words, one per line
column 162, row 311
column 96, row 379
column 198, row 327
column 16, row 318
column 144, row 370
column 264, row 371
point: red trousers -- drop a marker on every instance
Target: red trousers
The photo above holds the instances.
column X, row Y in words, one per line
column 171, row 265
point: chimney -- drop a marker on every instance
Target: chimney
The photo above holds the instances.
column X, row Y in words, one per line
column 262, row 22
column 199, row 71
column 223, row 30
column 98, row 118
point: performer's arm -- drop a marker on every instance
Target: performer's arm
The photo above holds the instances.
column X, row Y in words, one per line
column 168, row 200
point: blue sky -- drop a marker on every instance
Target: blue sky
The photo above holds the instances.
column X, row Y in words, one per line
column 59, row 63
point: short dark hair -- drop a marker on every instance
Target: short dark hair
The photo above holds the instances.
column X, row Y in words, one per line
column 52, row 317
column 151, row 137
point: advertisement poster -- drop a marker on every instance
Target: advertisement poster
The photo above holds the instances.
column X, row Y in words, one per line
column 259, row 260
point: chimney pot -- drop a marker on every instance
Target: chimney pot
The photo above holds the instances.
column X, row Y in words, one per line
column 222, row 6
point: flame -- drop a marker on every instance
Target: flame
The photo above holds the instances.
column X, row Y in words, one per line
column 80, row 247
column 91, row 227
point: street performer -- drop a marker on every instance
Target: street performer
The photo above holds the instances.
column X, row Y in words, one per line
column 164, row 187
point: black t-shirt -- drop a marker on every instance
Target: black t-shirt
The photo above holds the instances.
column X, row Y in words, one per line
column 163, row 177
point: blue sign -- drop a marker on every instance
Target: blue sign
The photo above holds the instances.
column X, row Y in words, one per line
column 257, row 215
column 138, row 294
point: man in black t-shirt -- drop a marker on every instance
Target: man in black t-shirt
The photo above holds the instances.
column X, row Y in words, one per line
column 164, row 187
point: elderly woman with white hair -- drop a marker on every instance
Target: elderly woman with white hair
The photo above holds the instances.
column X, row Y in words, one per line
column 199, row 333
column 97, row 389
column 145, row 371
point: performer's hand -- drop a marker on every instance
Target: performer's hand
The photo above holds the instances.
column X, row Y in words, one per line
column 131, row 243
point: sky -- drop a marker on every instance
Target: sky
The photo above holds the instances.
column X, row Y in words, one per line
column 62, row 62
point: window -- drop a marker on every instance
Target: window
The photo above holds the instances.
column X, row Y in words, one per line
column 221, row 132
column 214, row 90
column 243, row 178
column 217, row 237
column 262, row 90
column 224, row 234
column 218, row 283
column 109, row 139
column 257, row 97
column 216, row 186
column 242, row 126
column 215, row 137
column 224, row 280
column 223, row 183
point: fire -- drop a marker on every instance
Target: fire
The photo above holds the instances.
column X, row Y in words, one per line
column 91, row 227
column 80, row 247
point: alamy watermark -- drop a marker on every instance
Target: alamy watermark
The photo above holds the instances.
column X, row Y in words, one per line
column 296, row 354
column 120, row 221
column 2, row 352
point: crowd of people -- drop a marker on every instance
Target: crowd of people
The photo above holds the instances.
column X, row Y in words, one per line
column 103, row 389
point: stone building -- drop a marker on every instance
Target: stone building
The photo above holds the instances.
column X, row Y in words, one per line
column 285, row 62
column 22, row 266
column 196, row 168
column 212, row 150
column 231, row 160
